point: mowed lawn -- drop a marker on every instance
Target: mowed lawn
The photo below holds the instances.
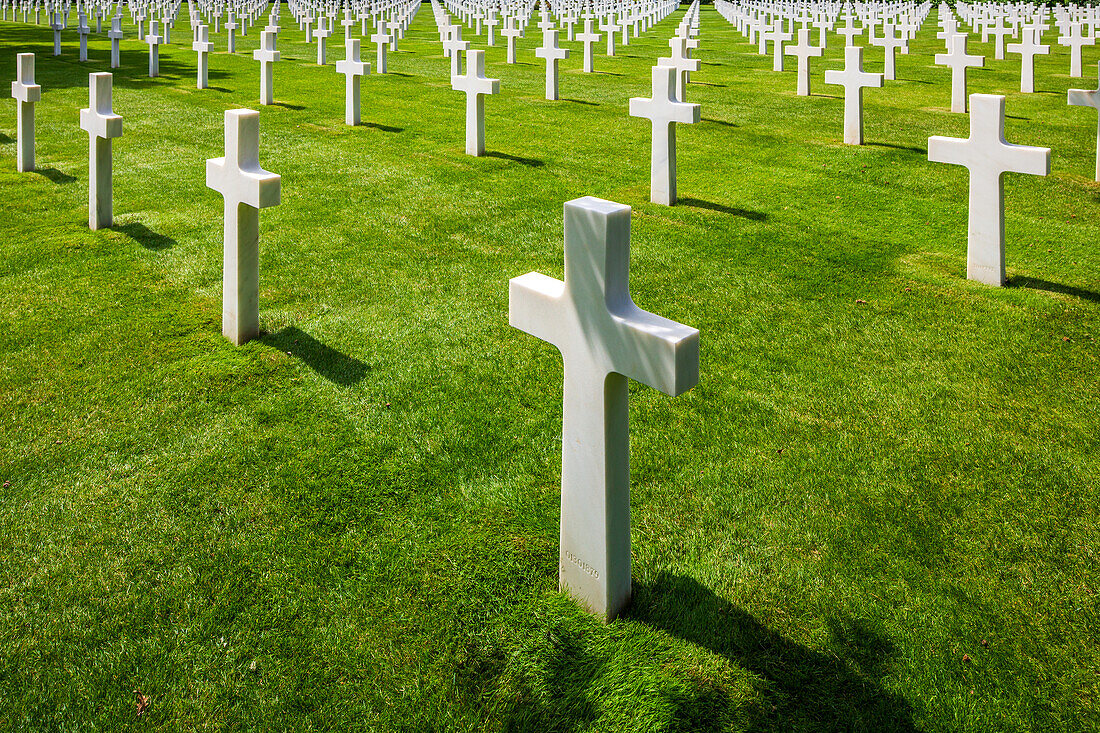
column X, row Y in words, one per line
column 877, row 511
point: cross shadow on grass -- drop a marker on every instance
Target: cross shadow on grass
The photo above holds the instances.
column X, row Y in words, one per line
column 1035, row 283
column 333, row 365
column 907, row 148
column 530, row 162
column 145, row 236
column 287, row 105
column 54, row 175
column 383, row 128
column 581, row 101
column 711, row 206
column 838, row 689
column 724, row 123
column 4, row 139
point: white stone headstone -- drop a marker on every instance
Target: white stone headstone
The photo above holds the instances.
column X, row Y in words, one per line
column 102, row 125
column 26, row 93
column 353, row 69
column 552, row 53
column 664, row 111
column 381, row 38
column 115, row 34
column 803, row 51
column 988, row 157
column 154, row 40
column 476, row 86
column 853, row 78
column 589, row 38
column 247, row 188
column 203, row 47
column 267, row 56
column 959, row 60
column 604, row 340
column 1028, row 50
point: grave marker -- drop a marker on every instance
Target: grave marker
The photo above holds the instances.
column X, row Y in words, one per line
column 247, row 188
column 988, row 157
column 101, row 124
column 267, row 56
column 353, row 69
column 26, row 93
column 550, row 51
column 604, row 340
column 664, row 111
column 476, row 86
column 853, row 78
column 959, row 61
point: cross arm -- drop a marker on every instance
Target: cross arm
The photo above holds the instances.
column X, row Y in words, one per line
column 1083, row 98
column 655, row 351
column 254, row 186
column 535, row 306
column 951, row 150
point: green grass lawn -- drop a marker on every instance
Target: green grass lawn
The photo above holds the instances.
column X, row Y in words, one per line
column 877, row 511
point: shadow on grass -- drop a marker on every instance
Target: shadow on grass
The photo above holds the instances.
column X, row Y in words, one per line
column 398, row 73
column 383, row 128
column 710, row 205
column 286, row 105
column 331, row 364
column 145, row 236
column 706, row 84
column 721, row 122
column 908, row 148
column 4, row 139
column 531, row 162
column 54, row 175
column 1035, row 283
column 837, row 689
column 581, row 101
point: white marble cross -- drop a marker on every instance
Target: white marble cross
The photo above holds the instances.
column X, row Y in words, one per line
column 589, row 39
column 352, row 68
column 230, row 31
column 381, row 38
column 1028, row 49
column 1075, row 41
column 322, row 34
column 56, row 26
column 804, row 51
column 202, row 47
column 491, row 23
column 476, row 86
column 682, row 62
column 849, row 32
column 101, row 124
column 777, row 37
column 26, row 93
column 552, row 53
column 115, row 34
column 348, row 22
column 511, row 33
column 890, row 44
column 1088, row 98
column 853, row 78
column 454, row 46
column 959, row 61
column 999, row 30
column 247, row 188
column 267, row 56
column 84, row 30
column 604, row 340
column 609, row 27
column 988, row 157
column 154, row 41
column 664, row 112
